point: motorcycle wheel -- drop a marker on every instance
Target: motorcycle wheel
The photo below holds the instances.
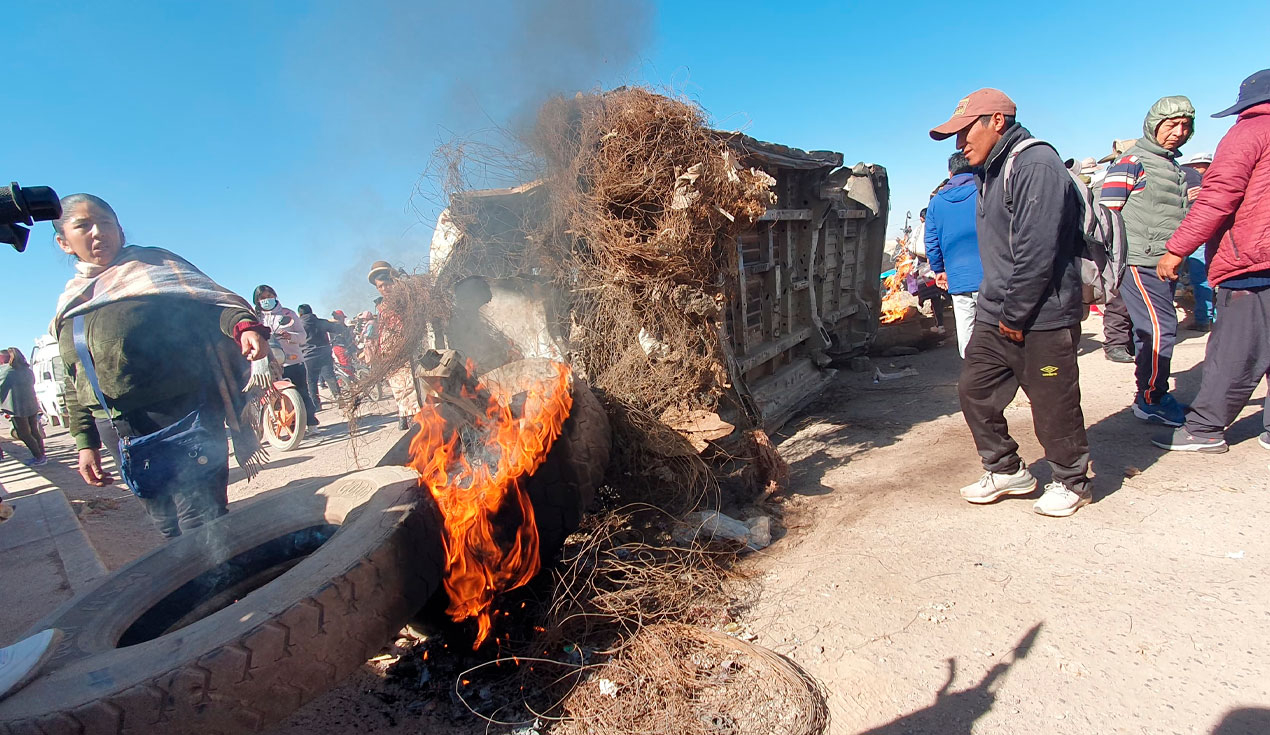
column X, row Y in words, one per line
column 285, row 420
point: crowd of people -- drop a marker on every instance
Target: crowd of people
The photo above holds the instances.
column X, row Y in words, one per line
column 153, row 347
column 1003, row 236
column 157, row 358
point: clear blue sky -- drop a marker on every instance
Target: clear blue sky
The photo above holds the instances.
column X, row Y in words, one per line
column 283, row 142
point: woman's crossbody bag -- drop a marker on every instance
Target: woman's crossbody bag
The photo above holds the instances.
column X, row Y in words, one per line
column 189, row 453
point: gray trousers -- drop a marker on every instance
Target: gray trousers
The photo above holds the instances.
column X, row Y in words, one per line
column 1235, row 362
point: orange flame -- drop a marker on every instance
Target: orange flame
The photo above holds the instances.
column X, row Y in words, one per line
column 483, row 557
column 893, row 306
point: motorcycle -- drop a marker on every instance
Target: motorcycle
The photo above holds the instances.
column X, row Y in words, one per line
column 349, row 370
column 279, row 417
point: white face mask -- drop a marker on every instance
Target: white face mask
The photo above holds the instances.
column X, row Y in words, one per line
column 268, row 304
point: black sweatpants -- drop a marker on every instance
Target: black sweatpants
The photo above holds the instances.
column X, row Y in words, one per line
column 321, row 368
column 1236, row 360
column 1044, row 365
column 1150, row 304
column 299, row 377
column 1116, row 326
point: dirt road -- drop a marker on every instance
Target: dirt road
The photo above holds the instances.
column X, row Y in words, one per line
column 1145, row 612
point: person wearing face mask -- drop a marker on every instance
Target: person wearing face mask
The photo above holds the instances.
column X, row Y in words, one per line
column 1150, row 189
column 289, row 332
column 163, row 341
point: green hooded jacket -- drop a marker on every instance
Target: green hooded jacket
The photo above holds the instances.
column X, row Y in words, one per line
column 1153, row 213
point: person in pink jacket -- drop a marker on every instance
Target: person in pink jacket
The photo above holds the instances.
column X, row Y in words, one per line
column 1232, row 216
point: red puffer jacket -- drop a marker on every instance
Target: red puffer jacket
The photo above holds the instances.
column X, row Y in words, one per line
column 1233, row 208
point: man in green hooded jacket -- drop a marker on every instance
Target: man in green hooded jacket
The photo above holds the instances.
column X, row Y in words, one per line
column 1149, row 188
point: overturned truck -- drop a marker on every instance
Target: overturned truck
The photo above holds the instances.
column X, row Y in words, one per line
column 800, row 295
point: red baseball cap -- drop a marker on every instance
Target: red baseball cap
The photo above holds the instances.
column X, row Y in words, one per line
column 980, row 102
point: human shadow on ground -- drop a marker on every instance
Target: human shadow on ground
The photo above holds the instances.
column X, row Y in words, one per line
column 1088, row 344
column 955, row 713
column 1244, row 721
column 1120, row 444
column 60, row 471
column 236, row 473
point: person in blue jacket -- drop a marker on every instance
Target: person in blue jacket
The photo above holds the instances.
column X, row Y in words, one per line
column 952, row 244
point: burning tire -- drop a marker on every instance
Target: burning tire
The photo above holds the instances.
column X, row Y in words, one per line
column 314, row 580
column 565, row 484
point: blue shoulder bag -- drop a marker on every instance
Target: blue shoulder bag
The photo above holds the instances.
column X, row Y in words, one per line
column 188, row 453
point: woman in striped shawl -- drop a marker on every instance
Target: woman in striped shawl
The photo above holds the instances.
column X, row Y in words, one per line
column 165, row 340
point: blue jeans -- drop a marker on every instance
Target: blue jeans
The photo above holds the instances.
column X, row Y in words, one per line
column 1205, row 307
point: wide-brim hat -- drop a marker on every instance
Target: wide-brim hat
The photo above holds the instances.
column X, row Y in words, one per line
column 1254, row 90
column 378, row 267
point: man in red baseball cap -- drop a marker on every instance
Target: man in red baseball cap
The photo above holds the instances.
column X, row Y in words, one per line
column 1027, row 317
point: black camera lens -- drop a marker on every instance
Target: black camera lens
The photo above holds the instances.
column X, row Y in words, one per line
column 41, row 203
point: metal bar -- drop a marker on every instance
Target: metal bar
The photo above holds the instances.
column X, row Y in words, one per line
column 785, row 214
column 768, row 350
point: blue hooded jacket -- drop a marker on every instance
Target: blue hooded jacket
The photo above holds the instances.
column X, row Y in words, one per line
column 952, row 245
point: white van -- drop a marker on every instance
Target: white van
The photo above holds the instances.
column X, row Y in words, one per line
column 50, row 379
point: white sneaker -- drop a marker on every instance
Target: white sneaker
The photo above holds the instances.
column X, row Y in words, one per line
column 1060, row 501
column 995, row 484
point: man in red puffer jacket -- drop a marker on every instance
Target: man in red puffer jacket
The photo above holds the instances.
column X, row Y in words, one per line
column 1232, row 216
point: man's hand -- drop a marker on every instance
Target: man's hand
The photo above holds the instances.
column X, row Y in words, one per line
column 941, row 280
column 90, row 468
column 1014, row 335
column 1166, row 269
column 253, row 344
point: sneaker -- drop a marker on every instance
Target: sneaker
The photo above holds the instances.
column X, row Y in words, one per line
column 1168, row 411
column 1117, row 354
column 37, row 461
column 1264, row 439
column 1183, row 441
column 1060, row 501
column 995, row 484
column 403, row 423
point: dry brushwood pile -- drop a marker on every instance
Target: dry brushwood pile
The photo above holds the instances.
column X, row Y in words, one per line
column 705, row 683
column 641, row 204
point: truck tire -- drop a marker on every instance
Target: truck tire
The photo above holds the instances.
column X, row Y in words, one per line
column 564, row 486
column 233, row 626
